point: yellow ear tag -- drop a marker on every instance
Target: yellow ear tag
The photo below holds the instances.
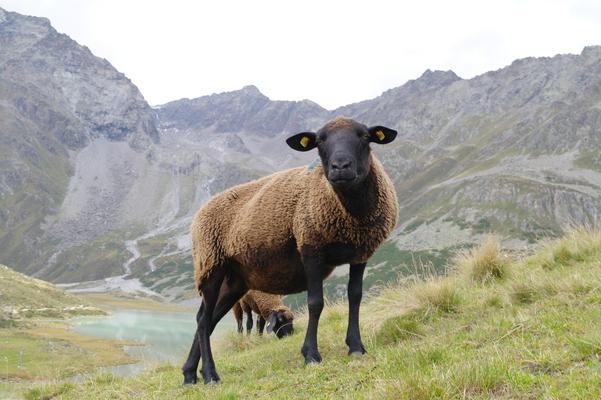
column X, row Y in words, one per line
column 380, row 135
column 305, row 141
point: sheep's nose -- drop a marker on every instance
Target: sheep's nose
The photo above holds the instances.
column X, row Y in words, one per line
column 341, row 164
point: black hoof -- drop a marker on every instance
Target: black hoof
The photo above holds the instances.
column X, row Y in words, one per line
column 356, row 350
column 311, row 356
column 190, row 379
column 211, row 378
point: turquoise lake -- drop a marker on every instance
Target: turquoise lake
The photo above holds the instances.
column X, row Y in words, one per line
column 166, row 336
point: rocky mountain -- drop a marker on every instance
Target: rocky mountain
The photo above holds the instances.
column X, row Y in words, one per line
column 56, row 98
column 95, row 183
column 514, row 150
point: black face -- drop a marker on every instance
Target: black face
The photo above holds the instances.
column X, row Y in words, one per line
column 279, row 324
column 344, row 156
column 343, row 146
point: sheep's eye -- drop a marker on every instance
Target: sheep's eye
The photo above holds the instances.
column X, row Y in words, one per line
column 321, row 138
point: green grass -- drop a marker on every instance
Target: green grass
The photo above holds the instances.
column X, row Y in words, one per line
column 44, row 350
column 588, row 159
column 413, row 226
column 95, row 259
column 534, row 333
column 23, row 297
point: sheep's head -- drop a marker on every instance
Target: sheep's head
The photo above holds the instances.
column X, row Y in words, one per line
column 280, row 322
column 343, row 146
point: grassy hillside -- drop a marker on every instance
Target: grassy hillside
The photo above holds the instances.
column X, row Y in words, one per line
column 494, row 328
column 25, row 297
column 35, row 346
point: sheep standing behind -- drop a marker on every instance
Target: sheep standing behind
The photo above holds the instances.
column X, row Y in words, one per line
column 286, row 232
column 269, row 308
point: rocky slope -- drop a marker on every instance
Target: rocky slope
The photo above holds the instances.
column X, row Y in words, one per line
column 95, row 183
column 513, row 150
column 56, row 99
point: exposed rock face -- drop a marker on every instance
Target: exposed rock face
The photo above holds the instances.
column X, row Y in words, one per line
column 69, row 77
column 95, row 183
column 510, row 150
column 55, row 97
column 245, row 110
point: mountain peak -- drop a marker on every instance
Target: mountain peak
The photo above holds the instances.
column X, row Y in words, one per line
column 438, row 77
column 28, row 20
column 251, row 89
column 592, row 51
column 36, row 59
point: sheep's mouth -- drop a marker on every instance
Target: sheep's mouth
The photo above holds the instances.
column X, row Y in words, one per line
column 342, row 179
column 343, row 182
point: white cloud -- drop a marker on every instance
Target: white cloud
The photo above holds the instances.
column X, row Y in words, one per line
column 332, row 52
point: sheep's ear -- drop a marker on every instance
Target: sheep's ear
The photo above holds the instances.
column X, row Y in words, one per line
column 381, row 134
column 271, row 322
column 304, row 141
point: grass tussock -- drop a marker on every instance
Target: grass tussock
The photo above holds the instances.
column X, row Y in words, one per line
column 524, row 292
column 532, row 333
column 438, row 294
column 484, row 263
column 588, row 346
column 399, row 328
column 577, row 245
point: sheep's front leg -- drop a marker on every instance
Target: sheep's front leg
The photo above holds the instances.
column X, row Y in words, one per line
column 355, row 293
column 314, row 272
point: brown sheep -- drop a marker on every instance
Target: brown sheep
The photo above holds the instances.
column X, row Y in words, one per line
column 286, row 232
column 269, row 308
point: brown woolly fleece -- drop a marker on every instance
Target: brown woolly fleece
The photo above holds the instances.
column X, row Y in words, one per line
column 257, row 229
column 262, row 304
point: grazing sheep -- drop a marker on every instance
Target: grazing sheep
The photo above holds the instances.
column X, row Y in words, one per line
column 269, row 308
column 286, row 232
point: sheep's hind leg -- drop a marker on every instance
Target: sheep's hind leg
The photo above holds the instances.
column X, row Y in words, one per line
column 231, row 291
column 191, row 365
column 355, row 293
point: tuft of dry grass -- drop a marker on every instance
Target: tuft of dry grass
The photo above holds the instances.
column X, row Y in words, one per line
column 438, row 294
column 484, row 263
column 408, row 295
column 392, row 300
column 575, row 246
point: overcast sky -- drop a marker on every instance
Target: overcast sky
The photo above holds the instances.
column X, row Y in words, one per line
column 331, row 52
